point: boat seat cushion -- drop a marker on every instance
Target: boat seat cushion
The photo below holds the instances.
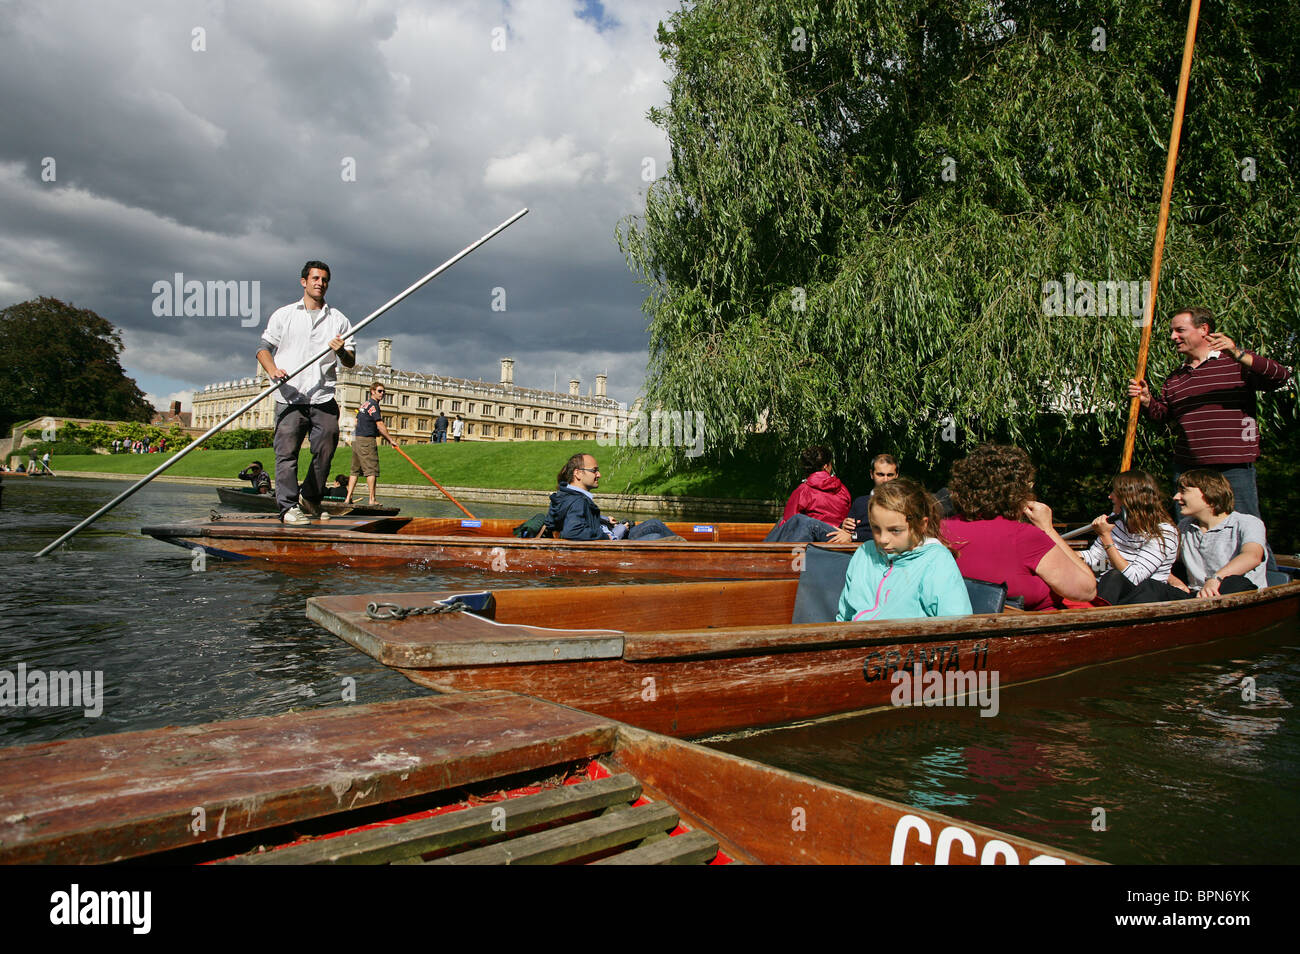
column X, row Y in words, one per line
column 820, row 584
column 985, row 597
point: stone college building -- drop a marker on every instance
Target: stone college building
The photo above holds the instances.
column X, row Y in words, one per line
column 412, row 402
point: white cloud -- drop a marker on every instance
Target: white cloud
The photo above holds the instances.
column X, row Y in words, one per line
column 542, row 162
column 164, row 404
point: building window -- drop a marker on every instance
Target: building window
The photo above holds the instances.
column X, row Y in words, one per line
column 573, row 419
column 424, row 402
column 501, row 431
column 406, row 399
column 550, row 435
column 519, row 432
column 536, row 414
column 586, row 420
column 455, row 406
column 519, row 414
column 534, row 433
column 438, row 405
column 469, row 429
column 550, row 416
column 487, row 410
column 470, row 409
column 405, row 423
column 424, row 424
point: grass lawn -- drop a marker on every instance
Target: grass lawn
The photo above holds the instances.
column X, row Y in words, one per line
column 524, row 465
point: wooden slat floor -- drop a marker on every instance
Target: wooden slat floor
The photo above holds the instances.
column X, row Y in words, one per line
column 603, row 820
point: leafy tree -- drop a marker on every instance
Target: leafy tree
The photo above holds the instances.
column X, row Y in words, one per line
column 866, row 198
column 62, row 361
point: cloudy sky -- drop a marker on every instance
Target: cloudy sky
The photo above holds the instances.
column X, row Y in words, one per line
column 232, row 141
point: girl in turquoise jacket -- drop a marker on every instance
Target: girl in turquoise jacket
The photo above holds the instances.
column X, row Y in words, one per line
column 907, row 571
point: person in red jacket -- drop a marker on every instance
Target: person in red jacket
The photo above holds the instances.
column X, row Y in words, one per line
column 817, row 506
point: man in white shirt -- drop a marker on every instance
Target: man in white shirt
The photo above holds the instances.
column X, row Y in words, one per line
column 305, row 405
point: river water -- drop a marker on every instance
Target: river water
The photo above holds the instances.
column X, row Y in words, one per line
column 1156, row 760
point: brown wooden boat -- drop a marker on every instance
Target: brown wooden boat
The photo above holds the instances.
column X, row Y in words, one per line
column 244, row 498
column 694, row 658
column 732, row 550
column 478, row 778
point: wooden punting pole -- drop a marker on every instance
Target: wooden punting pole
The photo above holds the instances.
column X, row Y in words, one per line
column 1148, row 314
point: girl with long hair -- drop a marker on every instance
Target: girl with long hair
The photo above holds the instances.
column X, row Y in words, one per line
column 906, row 571
column 1141, row 545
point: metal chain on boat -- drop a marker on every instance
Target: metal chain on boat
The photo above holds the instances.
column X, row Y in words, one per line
column 393, row 611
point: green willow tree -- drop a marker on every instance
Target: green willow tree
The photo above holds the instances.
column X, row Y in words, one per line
column 62, row 361
column 866, row 197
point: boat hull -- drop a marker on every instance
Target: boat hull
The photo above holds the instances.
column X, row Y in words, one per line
column 691, row 682
column 265, row 503
column 731, row 550
column 362, row 772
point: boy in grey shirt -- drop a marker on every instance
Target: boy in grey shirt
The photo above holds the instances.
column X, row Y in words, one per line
column 1220, row 546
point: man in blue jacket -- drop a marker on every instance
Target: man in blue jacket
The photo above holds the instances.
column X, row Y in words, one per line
column 574, row 515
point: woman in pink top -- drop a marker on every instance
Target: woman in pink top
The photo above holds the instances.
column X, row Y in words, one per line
column 992, row 492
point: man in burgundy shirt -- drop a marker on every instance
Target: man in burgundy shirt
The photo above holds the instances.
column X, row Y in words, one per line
column 1210, row 401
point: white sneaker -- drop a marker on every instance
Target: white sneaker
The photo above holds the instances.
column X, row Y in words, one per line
column 295, row 518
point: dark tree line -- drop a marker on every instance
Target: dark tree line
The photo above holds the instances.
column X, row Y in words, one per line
column 63, row 361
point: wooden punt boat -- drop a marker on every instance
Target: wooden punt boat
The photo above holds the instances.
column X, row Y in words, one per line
column 732, row 550
column 243, row 498
column 694, row 658
column 479, row 778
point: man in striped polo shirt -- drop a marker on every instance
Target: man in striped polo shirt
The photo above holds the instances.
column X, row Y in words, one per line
column 1210, row 401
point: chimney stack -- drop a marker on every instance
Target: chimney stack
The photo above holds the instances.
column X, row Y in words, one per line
column 384, row 353
column 508, row 372
column 600, row 385
column 573, row 387
column 176, row 408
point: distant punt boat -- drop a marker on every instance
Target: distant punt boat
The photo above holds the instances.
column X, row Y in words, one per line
column 481, row 778
column 243, row 498
column 689, row 659
column 707, row 550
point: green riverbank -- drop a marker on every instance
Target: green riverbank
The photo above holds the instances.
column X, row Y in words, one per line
column 517, row 473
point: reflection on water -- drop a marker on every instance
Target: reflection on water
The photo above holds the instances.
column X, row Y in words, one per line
column 1181, row 767
column 1164, row 751
column 176, row 646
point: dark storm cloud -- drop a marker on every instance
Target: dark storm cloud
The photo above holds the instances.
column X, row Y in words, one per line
column 232, row 163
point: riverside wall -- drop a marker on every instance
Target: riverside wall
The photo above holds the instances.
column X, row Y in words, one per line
column 689, row 508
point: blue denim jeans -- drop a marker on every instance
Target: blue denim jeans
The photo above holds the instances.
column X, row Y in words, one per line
column 800, row 528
